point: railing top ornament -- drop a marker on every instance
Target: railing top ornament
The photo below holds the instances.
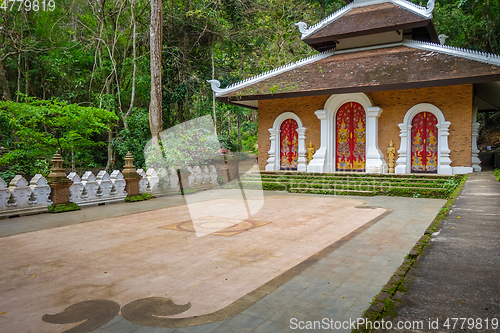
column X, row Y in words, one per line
column 18, row 181
column 38, row 180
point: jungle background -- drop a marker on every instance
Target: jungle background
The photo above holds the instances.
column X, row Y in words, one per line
column 77, row 79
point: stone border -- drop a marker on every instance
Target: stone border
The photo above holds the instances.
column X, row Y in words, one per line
column 384, row 303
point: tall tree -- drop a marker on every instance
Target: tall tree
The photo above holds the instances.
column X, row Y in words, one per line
column 155, row 107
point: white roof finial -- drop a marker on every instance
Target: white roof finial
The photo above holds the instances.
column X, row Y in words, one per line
column 442, row 38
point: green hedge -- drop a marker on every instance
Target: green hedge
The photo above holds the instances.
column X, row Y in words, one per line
column 139, row 197
column 67, row 207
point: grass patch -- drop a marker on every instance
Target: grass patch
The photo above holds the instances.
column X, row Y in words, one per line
column 66, row 207
column 139, row 197
column 186, row 191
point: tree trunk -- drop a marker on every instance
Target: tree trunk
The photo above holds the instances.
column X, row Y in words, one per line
column 213, row 93
column 5, row 84
column 239, row 134
column 110, row 164
column 155, row 111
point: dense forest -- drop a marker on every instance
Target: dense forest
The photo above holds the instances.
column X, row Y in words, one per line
column 75, row 74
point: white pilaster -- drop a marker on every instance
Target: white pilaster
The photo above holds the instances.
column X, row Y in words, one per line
column 401, row 163
column 474, row 151
column 317, row 164
column 302, row 162
column 271, row 161
column 444, row 157
column 375, row 162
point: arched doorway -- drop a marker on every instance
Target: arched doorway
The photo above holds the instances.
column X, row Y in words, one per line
column 350, row 138
column 289, row 145
column 424, row 143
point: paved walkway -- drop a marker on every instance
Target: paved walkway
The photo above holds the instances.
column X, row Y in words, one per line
column 336, row 283
column 458, row 276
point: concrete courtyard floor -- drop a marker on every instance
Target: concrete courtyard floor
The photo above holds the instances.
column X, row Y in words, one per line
column 306, row 257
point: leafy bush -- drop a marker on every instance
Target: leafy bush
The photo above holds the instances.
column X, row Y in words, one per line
column 497, row 174
column 67, row 207
column 35, row 129
column 139, row 197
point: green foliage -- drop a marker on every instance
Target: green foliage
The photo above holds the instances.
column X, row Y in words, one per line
column 497, row 174
column 139, row 197
column 191, row 147
column 38, row 128
column 67, row 207
column 186, row 191
column 134, row 137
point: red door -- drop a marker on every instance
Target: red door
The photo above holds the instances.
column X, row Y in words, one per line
column 424, row 143
column 289, row 145
column 350, row 137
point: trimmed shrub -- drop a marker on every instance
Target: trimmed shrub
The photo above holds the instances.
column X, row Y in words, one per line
column 67, row 207
column 139, row 197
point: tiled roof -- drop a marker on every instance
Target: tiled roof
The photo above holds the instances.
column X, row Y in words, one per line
column 398, row 66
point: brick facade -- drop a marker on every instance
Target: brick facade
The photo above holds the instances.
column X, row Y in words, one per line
column 454, row 101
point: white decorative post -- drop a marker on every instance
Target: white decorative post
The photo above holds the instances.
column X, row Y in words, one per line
column 104, row 183
column 143, row 183
column 302, row 162
column 76, row 189
column 474, row 151
column 41, row 190
column 20, row 191
column 317, row 164
column 401, row 163
column 173, row 179
column 119, row 184
column 375, row 162
column 271, row 161
column 4, row 194
column 444, row 158
column 90, row 184
column 213, row 175
column 153, row 179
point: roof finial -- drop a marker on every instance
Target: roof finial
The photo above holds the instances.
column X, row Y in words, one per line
column 303, row 28
column 442, row 38
column 430, row 6
column 215, row 84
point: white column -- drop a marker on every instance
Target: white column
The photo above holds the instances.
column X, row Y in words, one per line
column 444, row 167
column 401, row 162
column 375, row 162
column 474, row 151
column 317, row 164
column 271, row 161
column 302, row 165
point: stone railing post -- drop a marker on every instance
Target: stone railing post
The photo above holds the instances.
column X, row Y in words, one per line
column 131, row 176
column 58, row 182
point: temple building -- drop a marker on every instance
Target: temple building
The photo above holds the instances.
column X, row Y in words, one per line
column 382, row 74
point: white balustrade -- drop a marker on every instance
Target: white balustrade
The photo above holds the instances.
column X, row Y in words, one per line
column 21, row 198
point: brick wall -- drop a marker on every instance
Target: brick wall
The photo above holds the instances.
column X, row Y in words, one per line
column 454, row 101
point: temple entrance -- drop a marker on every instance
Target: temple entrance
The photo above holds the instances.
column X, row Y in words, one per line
column 424, row 143
column 289, row 145
column 350, row 137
